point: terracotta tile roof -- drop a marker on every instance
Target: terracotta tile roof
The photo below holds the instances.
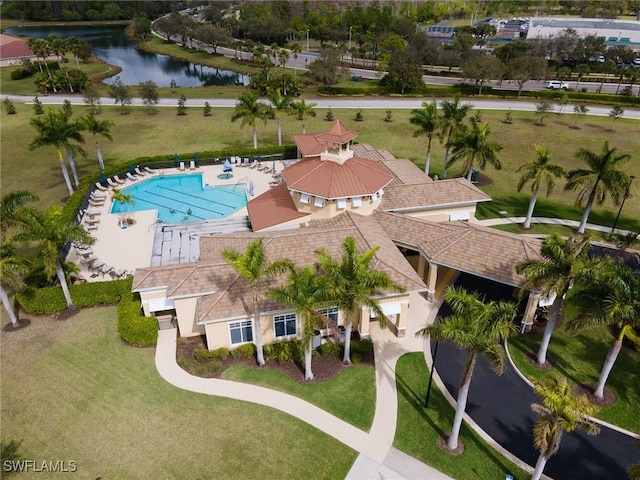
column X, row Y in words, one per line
column 328, row 179
column 308, row 145
column 442, row 192
column 312, row 144
column 186, row 279
column 12, row 47
column 481, row 251
column 271, row 208
column 338, row 133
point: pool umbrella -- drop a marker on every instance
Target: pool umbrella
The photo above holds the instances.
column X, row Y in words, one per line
column 226, row 167
column 102, row 178
column 251, row 188
column 273, row 166
column 176, row 159
column 196, row 159
column 131, row 169
column 259, row 159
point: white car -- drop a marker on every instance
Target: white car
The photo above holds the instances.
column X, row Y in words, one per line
column 557, row 84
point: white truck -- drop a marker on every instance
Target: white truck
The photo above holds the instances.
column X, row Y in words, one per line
column 557, row 85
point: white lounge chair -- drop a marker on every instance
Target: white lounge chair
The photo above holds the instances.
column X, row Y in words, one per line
column 119, row 180
column 99, row 186
column 132, row 177
column 140, row 172
column 98, row 196
column 112, row 182
column 182, row 166
column 192, row 165
column 149, row 170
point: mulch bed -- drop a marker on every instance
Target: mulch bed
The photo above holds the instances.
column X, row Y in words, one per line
column 324, row 368
column 22, row 323
column 587, row 389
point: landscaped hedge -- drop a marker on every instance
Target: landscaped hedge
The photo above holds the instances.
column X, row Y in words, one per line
column 133, row 327
column 50, row 300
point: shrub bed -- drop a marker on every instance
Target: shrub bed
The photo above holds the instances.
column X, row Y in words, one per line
column 133, row 327
column 50, row 300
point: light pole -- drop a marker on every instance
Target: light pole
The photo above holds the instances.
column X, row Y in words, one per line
column 307, row 39
column 433, row 364
column 350, row 39
column 626, row 194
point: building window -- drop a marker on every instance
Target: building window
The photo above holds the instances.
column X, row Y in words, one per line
column 331, row 313
column 241, row 332
column 304, row 198
column 319, row 202
column 342, row 203
column 356, row 201
column 284, row 325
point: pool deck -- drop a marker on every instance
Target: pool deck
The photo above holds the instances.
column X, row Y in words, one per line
column 127, row 249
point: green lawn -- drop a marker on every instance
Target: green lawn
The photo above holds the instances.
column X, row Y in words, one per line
column 419, row 428
column 138, row 134
column 71, row 390
column 580, row 358
column 350, row 396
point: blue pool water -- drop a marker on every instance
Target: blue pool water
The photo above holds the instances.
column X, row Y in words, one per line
column 183, row 198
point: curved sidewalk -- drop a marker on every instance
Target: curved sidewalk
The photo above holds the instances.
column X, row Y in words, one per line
column 377, row 459
column 554, row 221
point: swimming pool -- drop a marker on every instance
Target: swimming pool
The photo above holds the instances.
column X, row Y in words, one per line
column 183, row 198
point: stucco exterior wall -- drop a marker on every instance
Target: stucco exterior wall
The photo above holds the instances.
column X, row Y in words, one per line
column 150, row 295
column 444, row 214
column 186, row 314
column 330, row 208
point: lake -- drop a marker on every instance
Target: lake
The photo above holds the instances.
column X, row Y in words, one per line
column 112, row 45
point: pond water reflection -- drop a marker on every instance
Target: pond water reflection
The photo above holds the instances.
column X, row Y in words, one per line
column 111, row 45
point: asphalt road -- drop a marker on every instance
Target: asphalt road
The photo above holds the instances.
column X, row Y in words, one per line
column 500, row 405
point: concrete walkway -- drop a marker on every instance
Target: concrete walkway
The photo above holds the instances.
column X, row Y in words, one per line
column 555, row 221
column 377, row 458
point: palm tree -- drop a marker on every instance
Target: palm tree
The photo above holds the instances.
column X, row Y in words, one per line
column 352, row 283
column 98, row 127
column 561, row 411
column 52, row 231
column 477, row 327
column 600, row 179
column 304, row 293
column 473, row 146
column 12, row 270
column 296, row 49
column 55, row 129
column 126, row 200
column 610, row 297
column 253, row 267
column 427, row 121
column 279, row 104
column 451, row 122
column 283, row 58
column 250, row 110
column 562, row 262
column 540, row 171
column 303, row 110
column 12, row 267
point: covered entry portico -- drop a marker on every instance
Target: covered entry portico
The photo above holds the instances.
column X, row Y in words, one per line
column 443, row 249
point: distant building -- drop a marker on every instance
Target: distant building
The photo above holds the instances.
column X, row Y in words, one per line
column 13, row 50
column 624, row 33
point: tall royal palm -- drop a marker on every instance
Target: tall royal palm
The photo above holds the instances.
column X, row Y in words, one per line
column 279, row 104
column 477, row 327
column 12, row 270
column 51, row 231
column 249, row 110
column 473, row 147
column 562, row 262
column 610, row 297
column 428, row 122
column 541, row 172
column 601, row 178
column 451, row 123
column 98, row 127
column 352, row 284
column 302, row 110
column 303, row 291
column 561, row 411
column 12, row 205
column 253, row 267
column 55, row 129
